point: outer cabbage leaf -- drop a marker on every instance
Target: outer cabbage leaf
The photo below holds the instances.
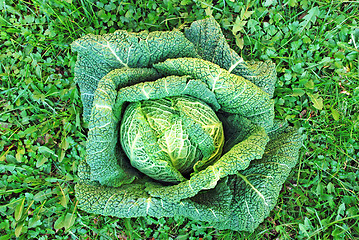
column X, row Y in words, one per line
column 103, row 128
column 167, row 87
column 98, row 55
column 234, row 93
column 256, row 188
column 211, row 45
column 238, row 202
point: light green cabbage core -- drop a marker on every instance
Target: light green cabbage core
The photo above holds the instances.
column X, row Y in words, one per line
column 169, row 138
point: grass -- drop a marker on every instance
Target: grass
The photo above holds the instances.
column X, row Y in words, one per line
column 315, row 45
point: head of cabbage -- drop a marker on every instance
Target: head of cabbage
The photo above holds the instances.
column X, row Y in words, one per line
column 180, row 124
column 171, row 137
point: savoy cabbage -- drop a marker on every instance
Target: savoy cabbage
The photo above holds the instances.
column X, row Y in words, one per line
column 180, row 124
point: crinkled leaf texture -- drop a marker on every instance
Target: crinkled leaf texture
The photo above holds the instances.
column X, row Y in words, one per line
column 238, row 190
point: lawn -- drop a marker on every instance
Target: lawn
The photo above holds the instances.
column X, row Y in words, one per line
column 315, row 45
